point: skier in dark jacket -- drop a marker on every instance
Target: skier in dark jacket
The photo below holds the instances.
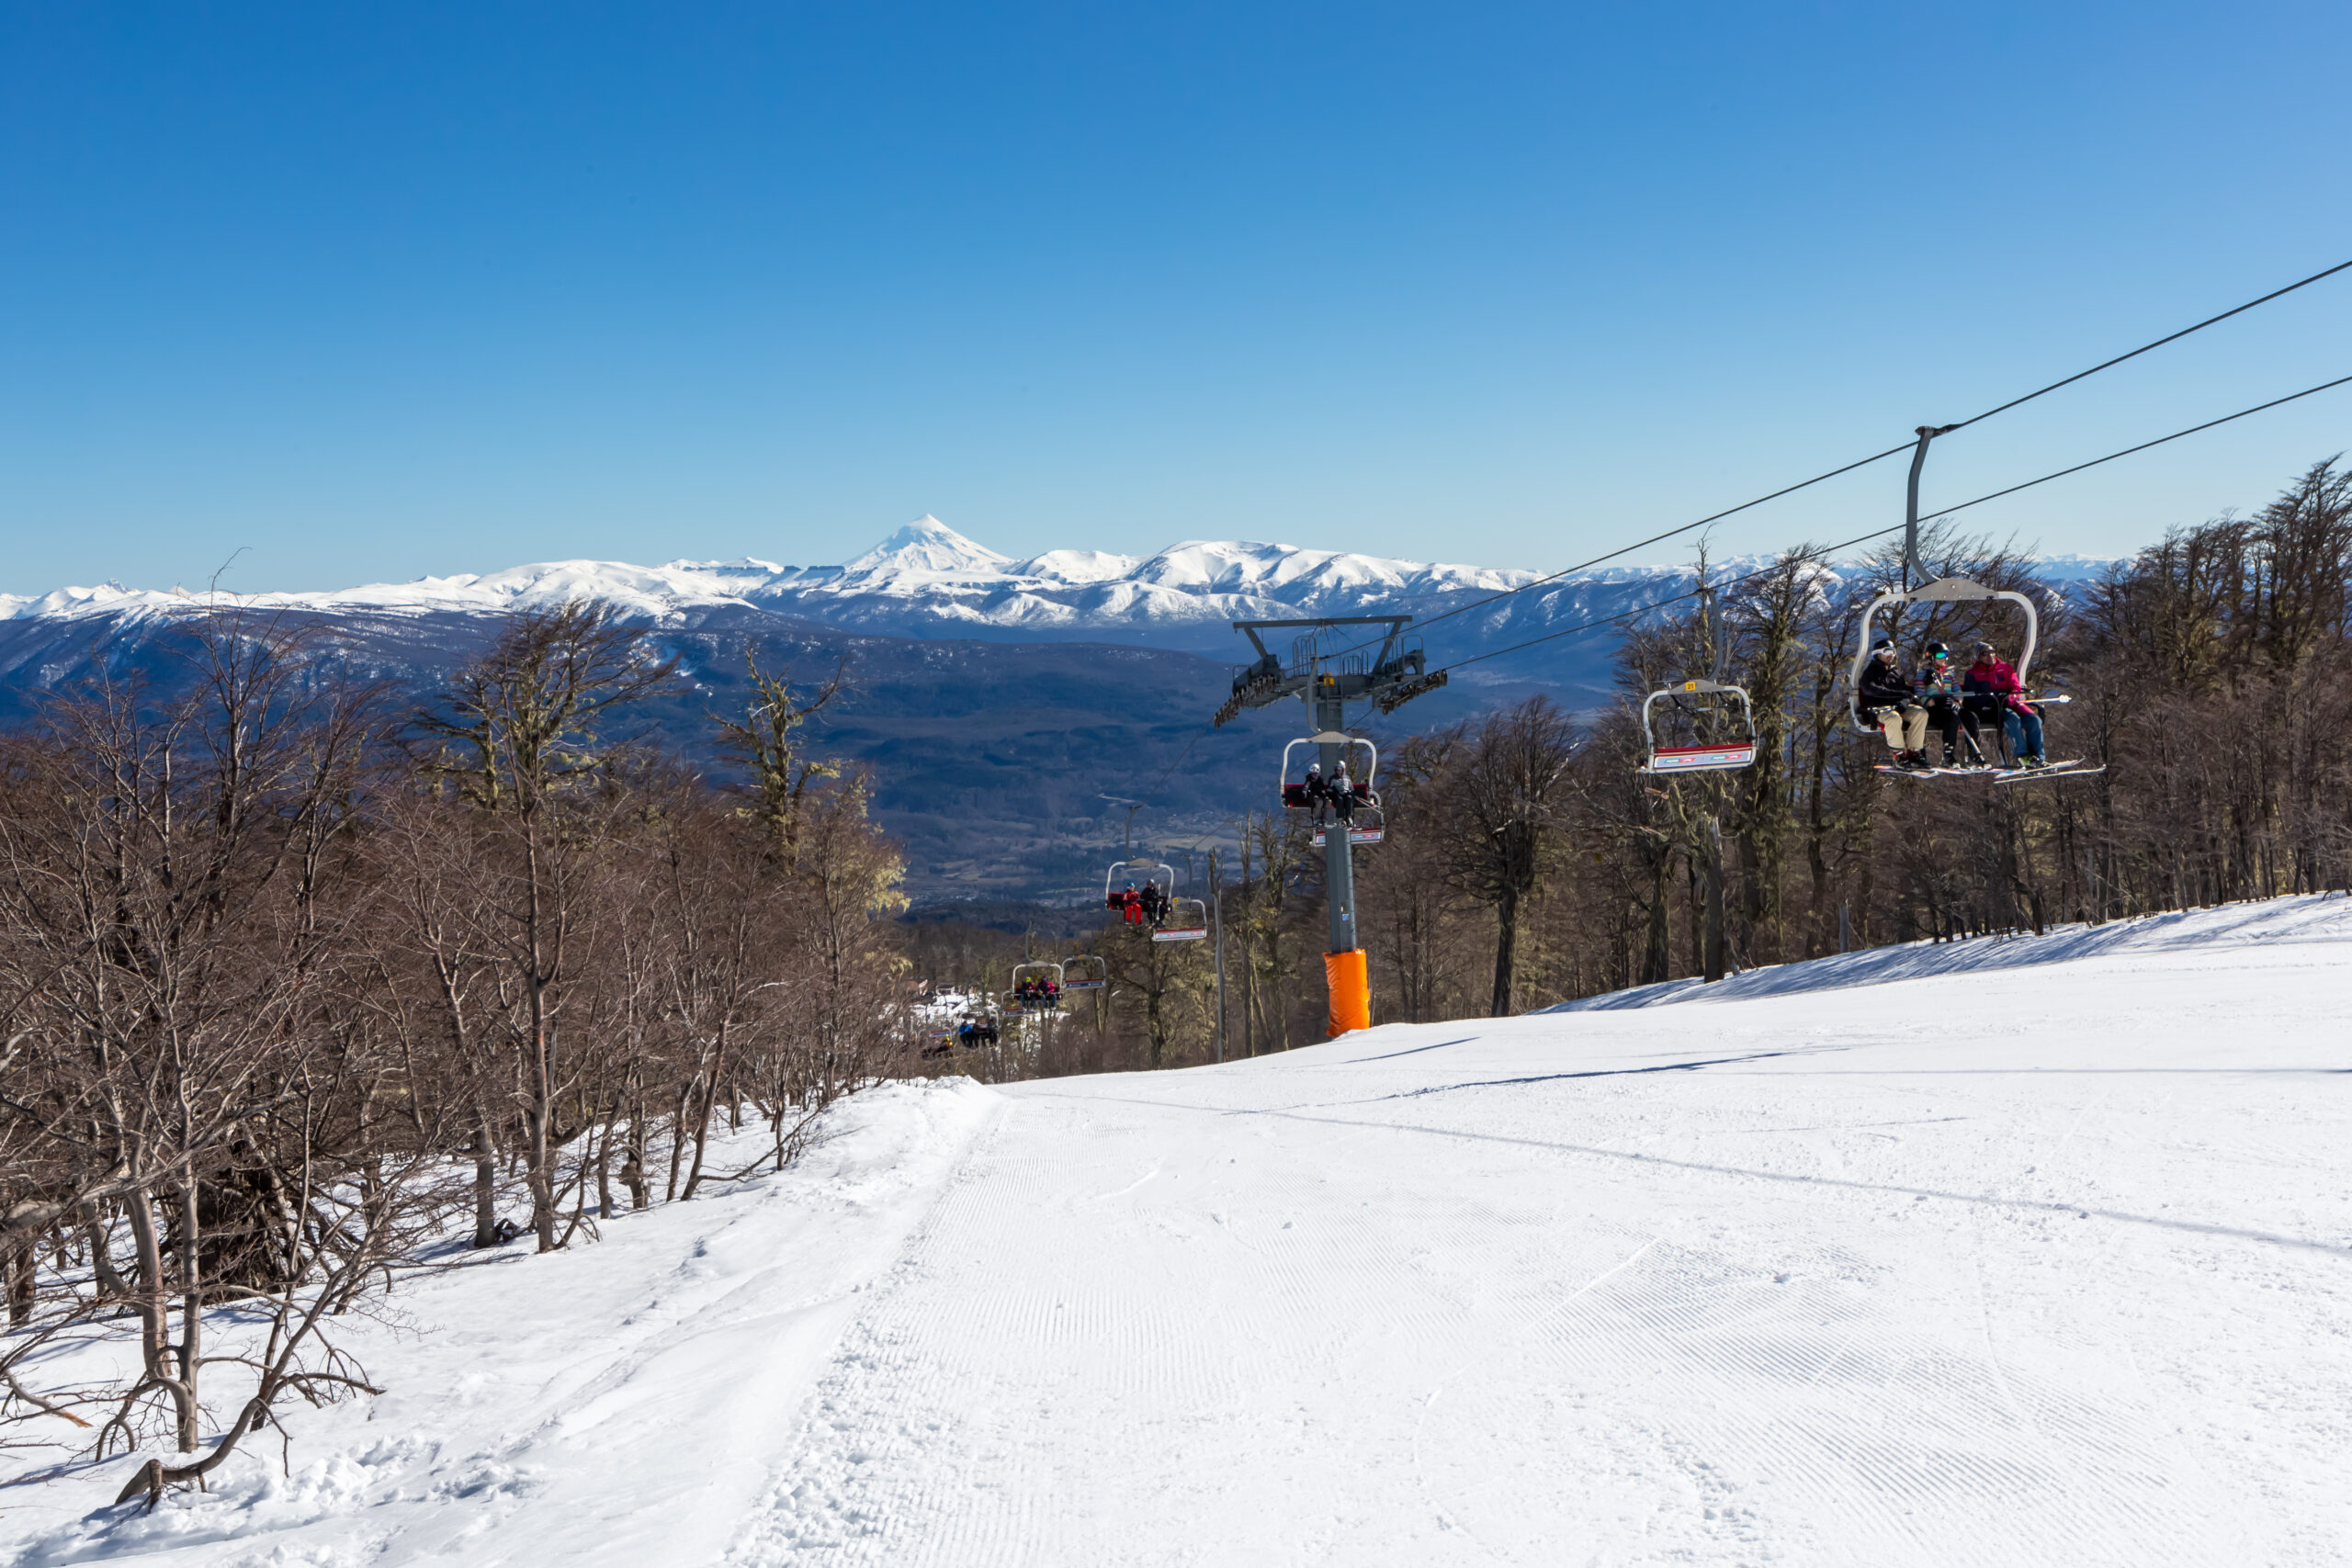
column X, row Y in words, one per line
column 1939, row 688
column 1886, row 694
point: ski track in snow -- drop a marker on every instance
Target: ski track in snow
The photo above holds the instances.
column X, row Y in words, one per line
column 2011, row 1254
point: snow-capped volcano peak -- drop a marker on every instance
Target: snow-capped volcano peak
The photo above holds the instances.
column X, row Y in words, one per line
column 928, row 546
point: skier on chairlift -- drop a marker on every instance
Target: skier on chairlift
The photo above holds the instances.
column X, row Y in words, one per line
column 1129, row 903
column 1343, row 795
column 1993, row 687
column 1938, row 687
column 1317, row 795
column 1888, row 697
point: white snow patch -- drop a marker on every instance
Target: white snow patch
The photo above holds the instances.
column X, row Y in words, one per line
column 622, row 1402
column 2001, row 1253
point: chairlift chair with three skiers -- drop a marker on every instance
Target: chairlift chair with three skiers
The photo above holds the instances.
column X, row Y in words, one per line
column 1950, row 590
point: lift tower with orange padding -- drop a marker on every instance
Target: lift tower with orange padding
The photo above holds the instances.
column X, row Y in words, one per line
column 1327, row 683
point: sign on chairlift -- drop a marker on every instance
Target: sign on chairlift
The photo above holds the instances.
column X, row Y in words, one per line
column 1356, row 835
column 1698, row 759
column 1187, row 920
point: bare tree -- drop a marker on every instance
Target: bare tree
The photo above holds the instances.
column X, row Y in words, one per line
column 1505, row 795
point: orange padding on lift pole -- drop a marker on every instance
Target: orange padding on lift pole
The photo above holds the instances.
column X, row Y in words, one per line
column 1350, row 992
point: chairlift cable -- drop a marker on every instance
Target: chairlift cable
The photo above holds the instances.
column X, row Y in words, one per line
column 1880, row 456
column 1897, row 528
column 2159, row 441
column 2173, row 337
column 1153, row 793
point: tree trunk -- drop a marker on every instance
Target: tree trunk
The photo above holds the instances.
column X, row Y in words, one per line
column 1506, row 949
column 1714, row 872
column 485, row 1182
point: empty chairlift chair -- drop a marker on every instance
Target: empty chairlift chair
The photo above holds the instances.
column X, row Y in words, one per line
column 1187, row 920
column 1715, row 731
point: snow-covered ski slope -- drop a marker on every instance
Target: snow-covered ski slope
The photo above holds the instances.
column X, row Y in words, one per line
column 2032, row 1252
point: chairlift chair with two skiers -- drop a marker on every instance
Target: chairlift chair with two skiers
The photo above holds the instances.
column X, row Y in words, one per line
column 1037, row 988
column 1357, row 805
column 1139, row 889
column 1144, row 891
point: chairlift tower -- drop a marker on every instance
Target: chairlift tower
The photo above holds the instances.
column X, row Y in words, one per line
column 1327, row 682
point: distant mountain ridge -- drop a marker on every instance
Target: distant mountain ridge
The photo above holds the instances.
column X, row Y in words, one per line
column 925, row 580
column 928, row 581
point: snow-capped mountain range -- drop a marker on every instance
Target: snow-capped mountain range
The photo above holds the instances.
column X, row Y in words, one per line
column 928, row 581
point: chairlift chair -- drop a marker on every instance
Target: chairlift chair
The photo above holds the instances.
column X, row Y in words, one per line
column 1943, row 591
column 1187, row 920
column 1738, row 752
column 1041, row 1001
column 1083, row 972
column 1366, row 826
column 1143, row 872
column 1293, row 796
column 986, row 1018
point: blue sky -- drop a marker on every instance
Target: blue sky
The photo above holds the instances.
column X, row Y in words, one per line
column 381, row 291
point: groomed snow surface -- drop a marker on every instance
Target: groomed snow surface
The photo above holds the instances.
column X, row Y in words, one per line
column 2028, row 1252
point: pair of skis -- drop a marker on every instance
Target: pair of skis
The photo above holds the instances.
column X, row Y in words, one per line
column 2070, row 765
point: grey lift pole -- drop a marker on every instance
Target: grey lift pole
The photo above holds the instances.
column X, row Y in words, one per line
column 1327, row 683
column 1217, row 918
